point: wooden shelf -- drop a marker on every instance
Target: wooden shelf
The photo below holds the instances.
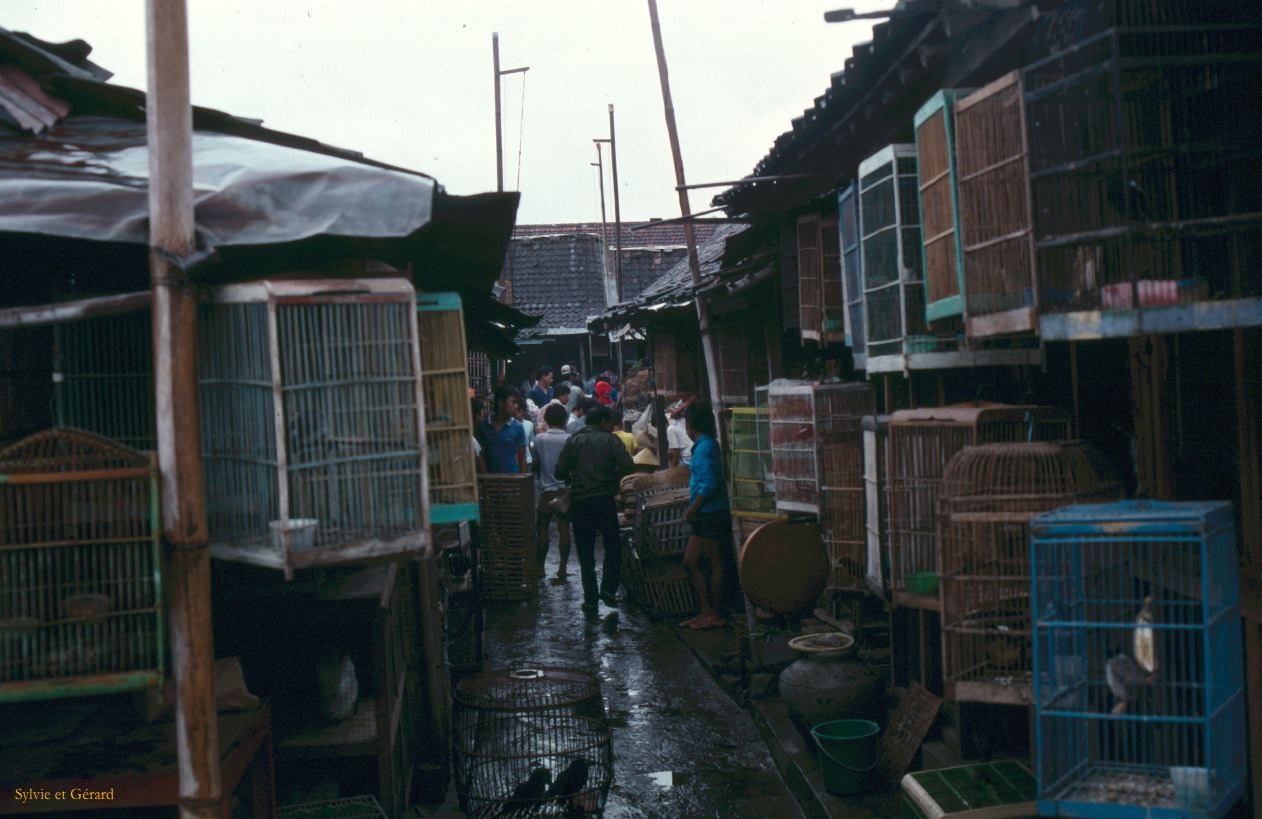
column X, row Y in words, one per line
column 954, row 359
column 354, row 736
column 1087, row 325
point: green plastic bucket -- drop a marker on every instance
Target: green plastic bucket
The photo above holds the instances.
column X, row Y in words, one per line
column 848, row 754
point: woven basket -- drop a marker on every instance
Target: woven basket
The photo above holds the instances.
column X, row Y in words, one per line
column 661, row 529
column 508, row 574
column 507, row 507
column 660, row 585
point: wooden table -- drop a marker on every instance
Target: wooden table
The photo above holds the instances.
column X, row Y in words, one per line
column 123, row 763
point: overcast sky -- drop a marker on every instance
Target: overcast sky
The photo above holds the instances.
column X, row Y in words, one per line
column 409, row 82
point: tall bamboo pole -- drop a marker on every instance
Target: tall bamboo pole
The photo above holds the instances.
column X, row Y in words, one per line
column 499, row 135
column 170, row 135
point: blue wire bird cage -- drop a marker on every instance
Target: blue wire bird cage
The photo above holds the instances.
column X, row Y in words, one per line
column 1138, row 683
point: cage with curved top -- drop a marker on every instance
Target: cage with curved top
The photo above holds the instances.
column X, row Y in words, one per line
column 80, row 576
column 1138, row 677
column 921, row 442
column 1143, row 146
column 988, row 497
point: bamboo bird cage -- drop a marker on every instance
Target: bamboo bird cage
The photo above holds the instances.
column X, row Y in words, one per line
column 939, row 205
column 453, row 489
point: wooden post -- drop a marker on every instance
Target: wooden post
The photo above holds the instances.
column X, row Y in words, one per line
column 499, row 136
column 1149, row 370
column 170, row 131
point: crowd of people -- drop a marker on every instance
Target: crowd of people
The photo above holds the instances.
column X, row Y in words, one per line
column 570, row 435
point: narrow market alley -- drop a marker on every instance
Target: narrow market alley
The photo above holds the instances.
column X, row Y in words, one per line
column 682, row 747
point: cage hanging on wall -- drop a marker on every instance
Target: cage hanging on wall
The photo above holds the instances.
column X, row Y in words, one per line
column 810, row 285
column 996, row 228
column 852, row 271
column 80, row 576
column 1138, row 678
column 752, row 489
column 921, row 442
column 103, row 377
column 1143, row 149
column 510, row 722
column 939, row 205
column 453, row 489
column 312, row 418
column 988, row 496
column 731, row 345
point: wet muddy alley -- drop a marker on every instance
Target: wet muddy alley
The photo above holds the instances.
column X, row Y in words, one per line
column 682, row 747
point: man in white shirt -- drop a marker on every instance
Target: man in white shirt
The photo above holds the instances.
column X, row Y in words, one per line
column 547, row 446
column 678, row 444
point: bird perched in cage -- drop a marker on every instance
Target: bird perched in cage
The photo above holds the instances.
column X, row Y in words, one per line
column 527, row 797
column 569, row 784
column 1126, row 673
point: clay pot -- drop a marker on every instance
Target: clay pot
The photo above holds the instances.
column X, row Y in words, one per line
column 817, row 690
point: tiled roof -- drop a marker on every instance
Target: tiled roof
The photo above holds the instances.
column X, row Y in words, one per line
column 643, row 266
column 634, row 234
column 678, row 280
column 559, row 278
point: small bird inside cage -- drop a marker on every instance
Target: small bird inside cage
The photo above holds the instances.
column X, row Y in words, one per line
column 526, row 799
column 567, row 789
column 1127, row 674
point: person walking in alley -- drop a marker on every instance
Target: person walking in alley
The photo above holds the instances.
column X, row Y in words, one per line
column 576, row 421
column 541, row 393
column 502, row 436
column 708, row 514
column 548, row 445
column 593, row 462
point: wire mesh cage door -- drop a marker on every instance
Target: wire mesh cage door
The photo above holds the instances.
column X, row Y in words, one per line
column 989, row 495
column 732, row 348
column 1138, row 676
column 893, row 279
column 80, row 575
column 453, row 488
column 939, row 205
column 313, row 422
column 876, row 504
column 852, row 270
column 103, row 378
column 751, row 477
column 921, row 442
column 810, row 285
column 1143, row 144
column 832, row 289
column 664, row 363
column 996, row 228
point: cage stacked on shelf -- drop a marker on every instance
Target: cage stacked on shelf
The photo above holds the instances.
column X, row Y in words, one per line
column 852, row 271
column 996, row 229
column 751, row 477
column 665, row 363
column 989, row 495
column 876, row 501
column 817, row 459
column 810, row 286
column 732, row 348
column 920, row 444
column 1138, row 677
column 453, row 490
column 80, row 578
column 313, row 430
column 1144, row 145
column 893, row 279
column 832, row 289
column 507, row 551
column 939, row 205
column 103, row 378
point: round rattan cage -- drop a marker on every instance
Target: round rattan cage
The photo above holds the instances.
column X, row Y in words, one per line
column 989, row 495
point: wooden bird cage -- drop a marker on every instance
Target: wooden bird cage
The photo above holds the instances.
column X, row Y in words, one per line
column 1144, row 153
column 480, row 373
column 939, row 206
column 752, row 490
column 852, row 271
column 832, row 289
column 507, row 552
column 313, row 425
column 876, row 501
column 81, row 607
column 453, row 490
column 893, row 276
column 921, row 442
column 997, row 232
column 989, row 495
column 731, row 345
column 664, row 363
column 104, row 378
column 810, row 284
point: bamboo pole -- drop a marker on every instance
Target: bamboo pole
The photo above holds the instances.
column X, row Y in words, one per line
column 170, row 131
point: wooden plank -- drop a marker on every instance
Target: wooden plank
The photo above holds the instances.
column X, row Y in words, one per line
column 908, row 725
column 954, row 359
column 1224, row 314
column 1009, row 322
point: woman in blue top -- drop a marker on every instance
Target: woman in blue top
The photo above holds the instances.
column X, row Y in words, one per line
column 708, row 514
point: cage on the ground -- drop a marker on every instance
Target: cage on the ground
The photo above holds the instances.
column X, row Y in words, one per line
column 920, row 444
column 1138, row 676
column 989, row 495
column 511, row 722
column 312, row 430
column 507, row 551
column 1144, row 148
column 939, row 213
column 81, row 607
column 453, row 487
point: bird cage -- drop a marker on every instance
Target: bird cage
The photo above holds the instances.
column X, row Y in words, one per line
column 507, row 550
column 832, row 290
column 453, row 490
column 103, row 378
column 810, row 286
column 893, row 278
column 1143, row 143
column 921, row 442
column 664, row 363
column 852, row 270
column 752, row 481
column 732, row 348
column 939, row 205
column 1138, row 679
column 80, row 574
column 988, row 496
column 997, row 233
column 480, row 373
column 312, row 422
column 876, row 504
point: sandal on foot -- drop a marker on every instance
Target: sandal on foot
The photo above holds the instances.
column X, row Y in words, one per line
column 701, row 625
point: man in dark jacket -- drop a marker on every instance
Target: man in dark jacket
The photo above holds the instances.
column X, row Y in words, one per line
column 593, row 463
